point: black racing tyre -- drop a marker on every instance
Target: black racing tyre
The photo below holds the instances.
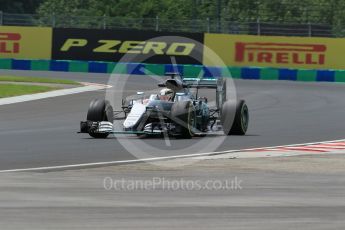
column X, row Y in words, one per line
column 100, row 110
column 183, row 114
column 240, row 122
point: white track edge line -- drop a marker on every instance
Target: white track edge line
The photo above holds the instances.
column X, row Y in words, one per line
column 109, row 163
column 87, row 87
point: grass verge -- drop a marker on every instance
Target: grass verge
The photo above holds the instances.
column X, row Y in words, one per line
column 10, row 90
column 37, row 80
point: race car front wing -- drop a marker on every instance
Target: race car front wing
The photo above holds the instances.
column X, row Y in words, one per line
column 108, row 127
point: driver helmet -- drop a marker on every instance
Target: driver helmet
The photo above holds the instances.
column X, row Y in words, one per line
column 166, row 94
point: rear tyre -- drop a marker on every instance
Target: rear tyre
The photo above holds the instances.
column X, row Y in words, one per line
column 100, row 110
column 183, row 114
column 240, row 122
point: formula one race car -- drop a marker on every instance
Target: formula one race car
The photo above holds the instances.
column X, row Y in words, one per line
column 175, row 111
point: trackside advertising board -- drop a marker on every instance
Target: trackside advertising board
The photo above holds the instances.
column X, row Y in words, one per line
column 280, row 52
column 25, row 42
column 138, row 46
column 170, row 48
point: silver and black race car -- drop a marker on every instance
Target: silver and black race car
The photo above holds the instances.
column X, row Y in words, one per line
column 174, row 111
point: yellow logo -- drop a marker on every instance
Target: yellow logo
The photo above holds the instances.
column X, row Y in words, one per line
column 135, row 47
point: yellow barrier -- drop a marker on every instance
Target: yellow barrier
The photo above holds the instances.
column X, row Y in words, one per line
column 25, row 42
column 234, row 50
column 283, row 52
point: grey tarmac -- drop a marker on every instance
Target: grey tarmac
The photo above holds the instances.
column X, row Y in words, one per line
column 301, row 192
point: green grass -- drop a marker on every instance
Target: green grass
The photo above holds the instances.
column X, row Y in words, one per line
column 37, row 80
column 10, row 90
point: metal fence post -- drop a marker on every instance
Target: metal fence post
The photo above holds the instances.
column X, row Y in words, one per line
column 53, row 20
column 208, row 24
column 309, row 30
column 157, row 23
column 219, row 16
column 259, row 27
column 104, row 22
column 1, row 17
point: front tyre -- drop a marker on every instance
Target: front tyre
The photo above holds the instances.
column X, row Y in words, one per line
column 100, row 110
column 183, row 115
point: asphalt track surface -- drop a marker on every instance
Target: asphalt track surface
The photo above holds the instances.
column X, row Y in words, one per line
column 43, row 133
column 304, row 192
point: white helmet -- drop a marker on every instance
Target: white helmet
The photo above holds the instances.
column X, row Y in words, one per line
column 166, row 92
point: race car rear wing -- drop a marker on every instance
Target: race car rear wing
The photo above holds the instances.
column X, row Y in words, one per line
column 198, row 83
column 176, row 83
column 210, row 83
